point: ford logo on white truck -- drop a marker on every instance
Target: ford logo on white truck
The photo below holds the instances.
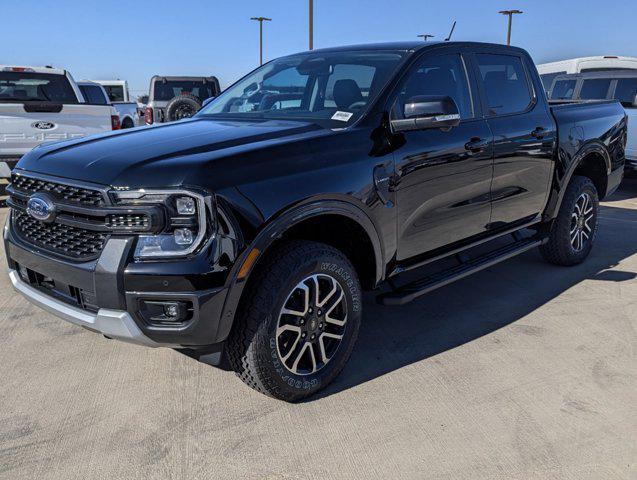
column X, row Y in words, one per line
column 43, row 125
column 41, row 208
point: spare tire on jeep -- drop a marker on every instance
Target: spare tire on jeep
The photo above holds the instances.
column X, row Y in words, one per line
column 182, row 106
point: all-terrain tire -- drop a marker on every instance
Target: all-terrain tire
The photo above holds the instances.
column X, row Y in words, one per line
column 561, row 248
column 181, row 107
column 253, row 348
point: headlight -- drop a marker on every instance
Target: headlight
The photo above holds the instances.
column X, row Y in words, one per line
column 185, row 226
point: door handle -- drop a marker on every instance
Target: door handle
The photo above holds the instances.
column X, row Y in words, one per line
column 476, row 145
column 538, row 133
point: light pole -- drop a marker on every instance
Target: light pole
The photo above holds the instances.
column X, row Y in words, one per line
column 425, row 36
column 261, row 20
column 510, row 14
column 311, row 24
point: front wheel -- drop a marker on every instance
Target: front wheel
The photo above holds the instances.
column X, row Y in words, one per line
column 575, row 228
column 299, row 322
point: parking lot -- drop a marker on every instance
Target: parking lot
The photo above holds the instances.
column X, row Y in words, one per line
column 525, row 370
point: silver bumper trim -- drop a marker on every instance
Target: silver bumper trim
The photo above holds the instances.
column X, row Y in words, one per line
column 112, row 323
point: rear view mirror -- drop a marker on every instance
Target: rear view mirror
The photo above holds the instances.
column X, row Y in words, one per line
column 426, row 111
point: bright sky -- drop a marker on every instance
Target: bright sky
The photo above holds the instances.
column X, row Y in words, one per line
column 137, row 39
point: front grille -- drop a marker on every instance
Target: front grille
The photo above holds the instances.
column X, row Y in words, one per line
column 128, row 221
column 66, row 193
column 72, row 242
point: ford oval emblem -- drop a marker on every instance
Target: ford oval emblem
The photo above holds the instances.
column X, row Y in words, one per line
column 41, row 207
column 43, row 125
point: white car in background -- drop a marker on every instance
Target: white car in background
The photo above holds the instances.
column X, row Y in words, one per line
column 130, row 115
column 43, row 104
column 548, row 71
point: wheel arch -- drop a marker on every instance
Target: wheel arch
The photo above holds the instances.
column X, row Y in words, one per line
column 592, row 161
column 299, row 223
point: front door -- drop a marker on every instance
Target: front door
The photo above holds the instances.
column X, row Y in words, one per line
column 443, row 177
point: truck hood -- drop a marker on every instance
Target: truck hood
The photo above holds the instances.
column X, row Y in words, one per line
column 165, row 155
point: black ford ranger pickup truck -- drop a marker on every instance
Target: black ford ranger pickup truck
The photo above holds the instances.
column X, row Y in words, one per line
column 245, row 235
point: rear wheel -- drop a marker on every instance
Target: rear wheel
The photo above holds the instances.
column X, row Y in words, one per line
column 299, row 323
column 575, row 228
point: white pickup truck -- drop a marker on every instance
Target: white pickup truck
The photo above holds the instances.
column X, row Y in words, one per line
column 43, row 104
column 129, row 112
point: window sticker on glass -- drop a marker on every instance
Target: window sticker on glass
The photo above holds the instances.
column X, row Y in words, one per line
column 342, row 116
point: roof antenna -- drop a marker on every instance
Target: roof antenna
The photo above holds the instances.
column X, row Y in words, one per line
column 453, row 27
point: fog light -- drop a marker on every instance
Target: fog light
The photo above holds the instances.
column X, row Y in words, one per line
column 186, row 206
column 183, row 236
column 171, row 309
column 166, row 313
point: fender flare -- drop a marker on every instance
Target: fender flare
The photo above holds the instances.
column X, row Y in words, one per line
column 555, row 202
column 273, row 231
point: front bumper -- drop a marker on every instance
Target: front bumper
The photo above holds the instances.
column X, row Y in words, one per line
column 116, row 324
column 116, row 286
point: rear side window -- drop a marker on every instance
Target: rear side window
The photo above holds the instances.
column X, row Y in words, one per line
column 595, row 89
column 505, row 83
column 35, row 87
column 441, row 75
column 626, row 91
column 93, row 94
column 563, row 90
column 115, row 92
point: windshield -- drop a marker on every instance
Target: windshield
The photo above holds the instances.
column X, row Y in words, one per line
column 35, row 87
column 169, row 89
column 332, row 88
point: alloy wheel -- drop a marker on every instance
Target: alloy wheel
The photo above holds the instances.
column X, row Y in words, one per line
column 311, row 324
column 582, row 223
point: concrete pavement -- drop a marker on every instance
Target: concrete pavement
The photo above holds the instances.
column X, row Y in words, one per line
column 524, row 371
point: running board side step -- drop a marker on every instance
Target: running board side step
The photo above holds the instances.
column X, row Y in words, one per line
column 411, row 291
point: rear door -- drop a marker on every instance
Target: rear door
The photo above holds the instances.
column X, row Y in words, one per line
column 443, row 176
column 524, row 136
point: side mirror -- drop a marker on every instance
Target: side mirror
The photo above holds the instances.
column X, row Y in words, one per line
column 207, row 101
column 634, row 105
column 426, row 111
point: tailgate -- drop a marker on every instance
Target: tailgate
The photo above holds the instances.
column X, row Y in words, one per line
column 21, row 130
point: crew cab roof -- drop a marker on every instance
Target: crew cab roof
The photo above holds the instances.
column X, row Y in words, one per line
column 412, row 46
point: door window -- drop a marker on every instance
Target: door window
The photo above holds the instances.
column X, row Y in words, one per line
column 626, row 90
column 595, row 89
column 563, row 90
column 547, row 79
column 442, row 75
column 505, row 83
column 93, row 95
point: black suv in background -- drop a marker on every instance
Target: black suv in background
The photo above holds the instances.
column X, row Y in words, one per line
column 249, row 232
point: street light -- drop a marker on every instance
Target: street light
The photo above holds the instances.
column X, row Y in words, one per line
column 425, row 36
column 311, row 24
column 261, row 20
column 510, row 14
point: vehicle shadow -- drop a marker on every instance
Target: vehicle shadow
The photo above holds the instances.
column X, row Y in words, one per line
column 394, row 337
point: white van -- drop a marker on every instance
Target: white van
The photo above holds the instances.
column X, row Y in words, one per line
column 548, row 71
